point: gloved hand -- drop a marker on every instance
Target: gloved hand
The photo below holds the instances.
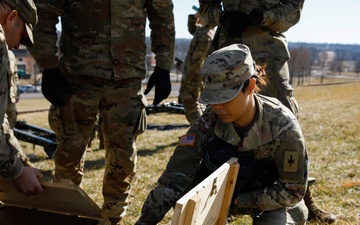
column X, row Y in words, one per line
column 234, row 22
column 54, row 87
column 256, row 17
column 160, row 78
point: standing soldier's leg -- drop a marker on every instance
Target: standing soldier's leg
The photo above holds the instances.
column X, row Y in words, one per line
column 124, row 118
column 277, row 73
column 190, row 92
column 93, row 134
column 73, row 124
column 100, row 135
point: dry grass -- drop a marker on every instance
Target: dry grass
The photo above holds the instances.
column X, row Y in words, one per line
column 329, row 116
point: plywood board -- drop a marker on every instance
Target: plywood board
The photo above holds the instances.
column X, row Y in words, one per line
column 208, row 203
column 10, row 215
column 66, row 199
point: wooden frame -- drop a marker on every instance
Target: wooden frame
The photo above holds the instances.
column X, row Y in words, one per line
column 209, row 202
column 58, row 203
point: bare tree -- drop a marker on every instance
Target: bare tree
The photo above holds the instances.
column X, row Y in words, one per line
column 337, row 65
column 357, row 67
column 300, row 64
column 323, row 61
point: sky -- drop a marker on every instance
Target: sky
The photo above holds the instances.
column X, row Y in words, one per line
column 322, row 21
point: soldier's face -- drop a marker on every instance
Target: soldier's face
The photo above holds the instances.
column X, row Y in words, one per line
column 240, row 110
column 14, row 30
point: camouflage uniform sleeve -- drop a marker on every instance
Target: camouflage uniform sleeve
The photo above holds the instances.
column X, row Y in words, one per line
column 10, row 165
column 161, row 22
column 284, row 16
column 45, row 50
column 292, row 162
column 210, row 11
column 198, row 46
column 174, row 181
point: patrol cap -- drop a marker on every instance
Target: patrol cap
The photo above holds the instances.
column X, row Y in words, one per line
column 27, row 11
column 224, row 73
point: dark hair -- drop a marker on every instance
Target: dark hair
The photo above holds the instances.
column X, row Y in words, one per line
column 261, row 79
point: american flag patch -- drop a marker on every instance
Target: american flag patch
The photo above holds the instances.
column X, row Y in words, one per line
column 187, row 140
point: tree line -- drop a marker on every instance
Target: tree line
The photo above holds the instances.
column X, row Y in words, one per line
column 307, row 59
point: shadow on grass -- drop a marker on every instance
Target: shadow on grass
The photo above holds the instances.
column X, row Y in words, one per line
column 154, row 126
column 94, row 164
column 34, row 158
column 152, row 151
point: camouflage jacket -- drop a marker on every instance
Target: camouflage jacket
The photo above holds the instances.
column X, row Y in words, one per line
column 197, row 52
column 264, row 40
column 10, row 165
column 274, row 139
column 14, row 79
column 103, row 38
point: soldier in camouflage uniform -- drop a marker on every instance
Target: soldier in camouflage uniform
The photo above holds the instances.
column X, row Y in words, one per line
column 191, row 84
column 17, row 18
column 261, row 132
column 99, row 67
column 260, row 25
column 11, row 112
column 14, row 91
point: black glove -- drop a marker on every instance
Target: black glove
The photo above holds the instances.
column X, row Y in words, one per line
column 54, row 87
column 234, row 22
column 256, row 17
column 160, row 78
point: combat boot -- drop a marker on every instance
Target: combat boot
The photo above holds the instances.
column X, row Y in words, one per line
column 315, row 212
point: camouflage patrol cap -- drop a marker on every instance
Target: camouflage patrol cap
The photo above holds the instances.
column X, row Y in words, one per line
column 224, row 73
column 28, row 12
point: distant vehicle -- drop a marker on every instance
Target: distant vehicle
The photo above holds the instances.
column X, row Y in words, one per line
column 22, row 74
column 29, row 88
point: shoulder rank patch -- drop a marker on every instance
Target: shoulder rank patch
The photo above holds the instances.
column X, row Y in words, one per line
column 187, row 140
column 291, row 161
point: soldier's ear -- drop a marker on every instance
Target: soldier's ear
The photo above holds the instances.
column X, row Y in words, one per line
column 252, row 85
column 11, row 17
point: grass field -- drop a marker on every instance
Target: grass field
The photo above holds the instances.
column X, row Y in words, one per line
column 330, row 119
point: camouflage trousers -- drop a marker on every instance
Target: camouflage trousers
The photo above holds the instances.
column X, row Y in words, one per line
column 121, row 105
column 277, row 72
column 296, row 215
column 190, row 90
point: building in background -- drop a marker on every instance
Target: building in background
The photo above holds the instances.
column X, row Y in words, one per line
column 27, row 67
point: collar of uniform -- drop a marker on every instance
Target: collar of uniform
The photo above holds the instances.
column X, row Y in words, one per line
column 226, row 131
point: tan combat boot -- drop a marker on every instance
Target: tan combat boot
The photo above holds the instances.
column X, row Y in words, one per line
column 315, row 212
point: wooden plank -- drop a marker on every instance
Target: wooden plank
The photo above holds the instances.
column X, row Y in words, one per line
column 213, row 201
column 192, row 210
column 66, row 199
column 229, row 191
